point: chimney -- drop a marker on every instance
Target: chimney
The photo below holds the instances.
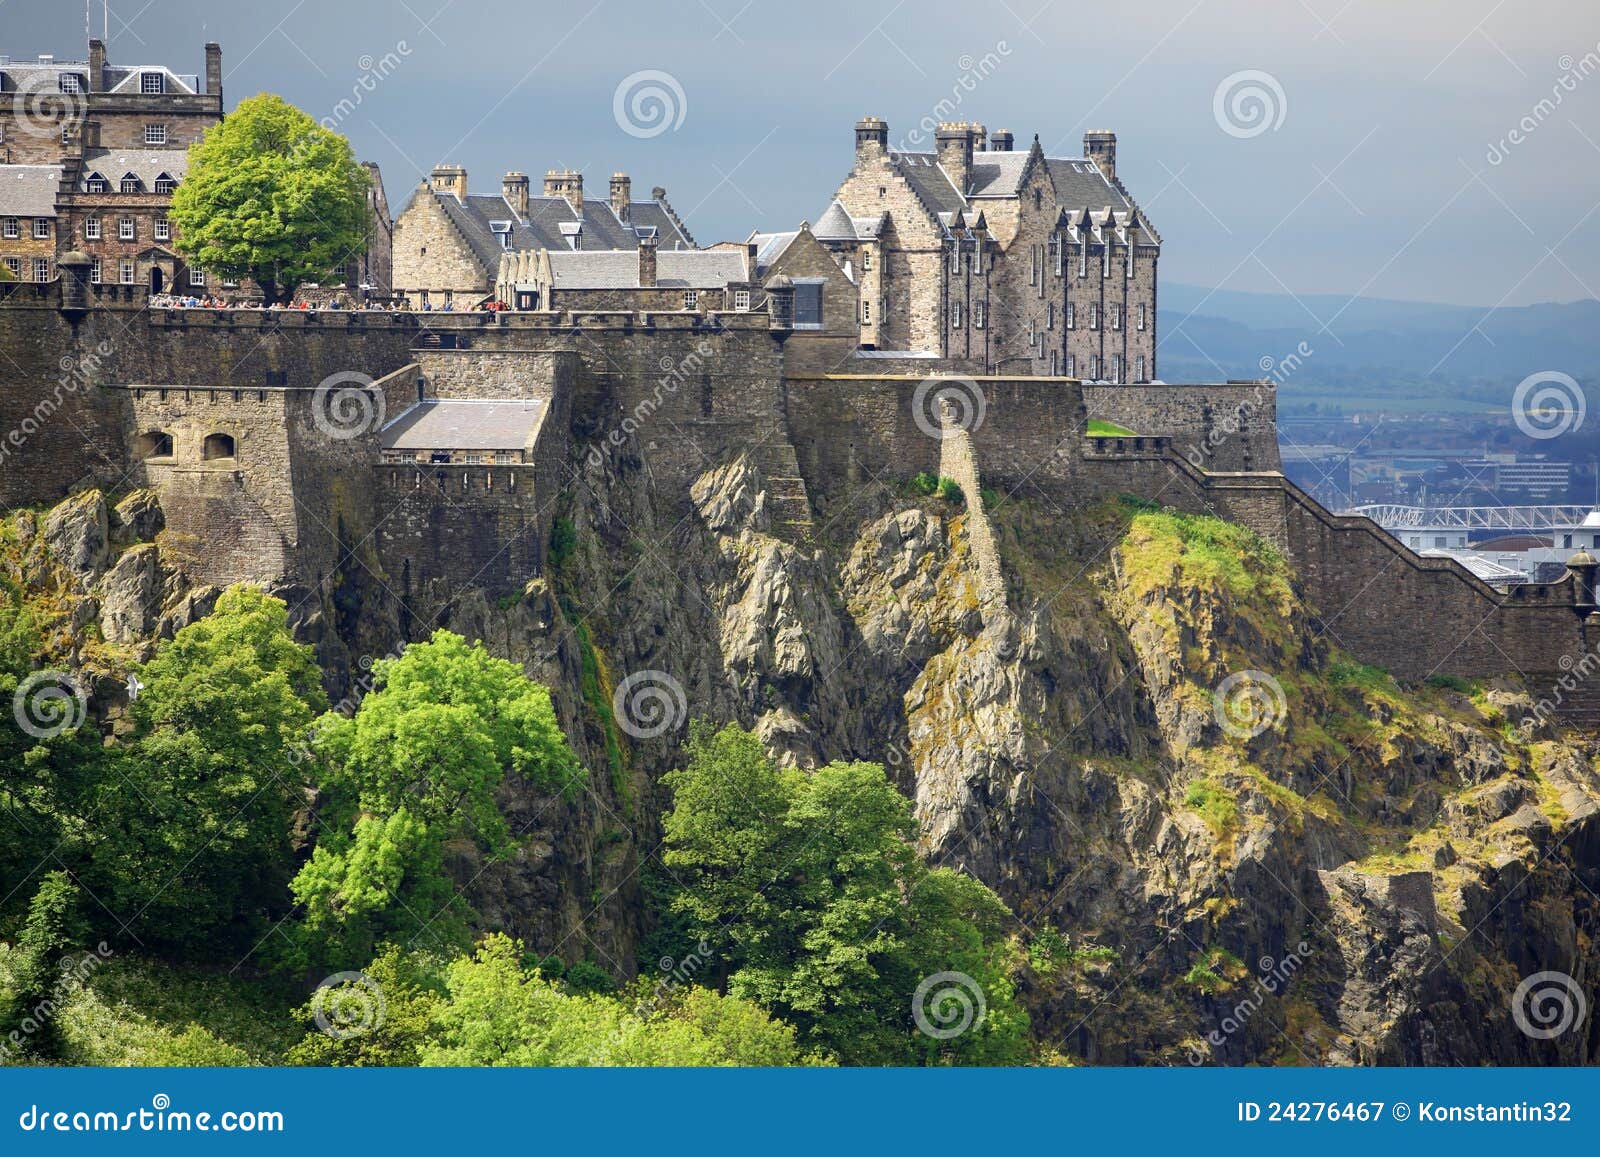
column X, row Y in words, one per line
column 621, row 195
column 566, row 183
column 449, row 179
column 657, row 193
column 1100, row 147
column 752, row 262
column 97, row 66
column 214, row 69
column 647, row 262
column 1001, row 141
column 872, row 139
column 980, row 138
column 514, row 188
column 954, row 142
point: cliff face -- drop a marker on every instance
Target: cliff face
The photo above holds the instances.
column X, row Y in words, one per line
column 1225, row 841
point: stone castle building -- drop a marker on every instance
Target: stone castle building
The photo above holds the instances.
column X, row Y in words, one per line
column 448, row 241
column 1005, row 261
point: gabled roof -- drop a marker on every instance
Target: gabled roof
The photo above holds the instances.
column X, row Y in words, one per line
column 29, row 190
column 124, row 78
column 146, row 164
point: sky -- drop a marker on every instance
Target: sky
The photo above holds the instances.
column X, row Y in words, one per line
column 1431, row 150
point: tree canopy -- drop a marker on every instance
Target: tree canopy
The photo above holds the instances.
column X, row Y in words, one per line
column 271, row 195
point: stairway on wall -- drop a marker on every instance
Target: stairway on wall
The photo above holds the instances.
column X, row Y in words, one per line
column 788, row 500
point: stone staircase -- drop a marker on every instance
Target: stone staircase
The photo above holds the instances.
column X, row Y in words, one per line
column 786, row 490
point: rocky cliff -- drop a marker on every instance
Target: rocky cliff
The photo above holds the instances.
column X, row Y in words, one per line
column 1224, row 841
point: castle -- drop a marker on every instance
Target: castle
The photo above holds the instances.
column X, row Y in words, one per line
column 927, row 323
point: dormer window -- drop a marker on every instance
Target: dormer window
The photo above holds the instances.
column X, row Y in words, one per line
column 165, row 184
column 94, row 183
column 71, row 82
column 502, row 232
column 152, row 83
column 131, row 184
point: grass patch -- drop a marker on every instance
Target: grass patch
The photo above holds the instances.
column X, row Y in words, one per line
column 1100, row 428
column 1213, row 805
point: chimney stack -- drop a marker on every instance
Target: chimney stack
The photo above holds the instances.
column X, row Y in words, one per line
column 953, row 140
column 647, row 262
column 980, row 138
column 566, row 183
column 621, row 195
column 1001, row 141
column 872, row 139
column 514, row 188
column 213, row 69
column 1100, row 147
column 449, row 179
column 97, row 66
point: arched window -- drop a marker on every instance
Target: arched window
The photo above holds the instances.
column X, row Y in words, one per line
column 155, row 444
column 218, row 446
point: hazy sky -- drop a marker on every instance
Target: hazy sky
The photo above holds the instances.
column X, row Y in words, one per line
column 1384, row 164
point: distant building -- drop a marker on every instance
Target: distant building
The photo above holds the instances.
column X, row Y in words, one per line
column 690, row 280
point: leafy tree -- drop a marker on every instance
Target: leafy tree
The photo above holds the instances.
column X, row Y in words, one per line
column 414, row 768
column 412, row 995
column 191, row 841
column 810, row 894
column 271, row 195
column 33, row 1010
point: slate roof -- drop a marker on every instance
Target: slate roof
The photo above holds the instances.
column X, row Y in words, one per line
column 675, row 269
column 44, row 76
column 465, row 424
column 29, row 190
column 146, row 164
column 771, row 246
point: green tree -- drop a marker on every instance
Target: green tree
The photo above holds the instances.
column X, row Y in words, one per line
column 33, row 1012
column 814, row 902
column 271, row 195
column 414, row 768
column 191, row 842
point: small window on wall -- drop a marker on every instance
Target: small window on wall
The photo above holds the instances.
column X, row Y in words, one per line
column 91, row 229
column 152, row 83
column 163, row 229
column 866, row 261
column 155, row 444
column 866, row 312
column 155, row 134
column 218, row 446
column 741, row 300
column 955, row 315
column 41, row 228
column 125, row 273
column 125, row 229
column 1139, row 368
column 41, row 269
column 691, row 299
column 14, row 266
column 808, row 304
column 10, row 229
column 197, row 276
column 980, row 313
column 94, row 271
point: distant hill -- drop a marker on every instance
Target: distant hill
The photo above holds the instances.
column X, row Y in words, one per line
column 1373, row 341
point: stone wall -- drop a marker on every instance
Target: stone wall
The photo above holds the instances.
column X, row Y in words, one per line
column 1228, row 426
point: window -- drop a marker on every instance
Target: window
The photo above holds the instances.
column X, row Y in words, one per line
column 866, row 312
column 155, row 134
column 152, row 83
column 1094, row 367
column 474, row 458
column 217, row 446
column 91, row 229
column 66, row 133
column 866, row 260
column 504, row 458
column 41, row 269
column 955, row 257
column 808, row 304
column 9, row 228
column 1142, row 308
column 95, row 184
column 1116, row 315
column 131, row 184
column 71, row 82
column 977, row 255
column 691, row 299
column 955, row 315
column 14, row 267
column 1033, row 265
column 1038, row 198
column 1072, row 365
column 1053, row 363
column 125, row 229
column 154, row 444
column 94, row 271
column 165, row 185
column 125, row 272
column 41, row 228
column 340, row 271
column 1116, row 367
column 163, row 229
column 1050, row 322
column 1094, row 315
column 197, row 276
column 741, row 299
column 1566, row 541
column 1072, row 316
column 980, row 311
column 1438, row 541
column 1139, row 368
column 1061, row 255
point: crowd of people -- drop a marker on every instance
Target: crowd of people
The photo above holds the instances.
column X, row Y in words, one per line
column 190, row 301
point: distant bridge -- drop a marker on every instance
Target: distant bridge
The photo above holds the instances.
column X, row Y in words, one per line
column 1527, row 518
